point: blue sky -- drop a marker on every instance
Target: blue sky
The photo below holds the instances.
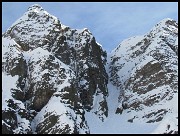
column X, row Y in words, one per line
column 110, row 22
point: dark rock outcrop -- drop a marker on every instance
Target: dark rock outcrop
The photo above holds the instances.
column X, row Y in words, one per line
column 53, row 75
column 144, row 68
column 51, row 63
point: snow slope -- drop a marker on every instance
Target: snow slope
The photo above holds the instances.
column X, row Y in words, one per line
column 55, row 79
column 145, row 71
column 116, row 124
column 123, row 63
column 52, row 68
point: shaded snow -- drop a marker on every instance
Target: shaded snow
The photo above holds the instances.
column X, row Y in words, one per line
column 51, row 108
column 8, row 83
column 115, row 123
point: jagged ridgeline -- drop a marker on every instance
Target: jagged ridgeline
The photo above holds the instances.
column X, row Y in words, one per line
column 52, row 74
column 145, row 69
column 59, row 80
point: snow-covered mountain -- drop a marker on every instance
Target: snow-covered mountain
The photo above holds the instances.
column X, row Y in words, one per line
column 55, row 79
column 145, row 71
column 51, row 76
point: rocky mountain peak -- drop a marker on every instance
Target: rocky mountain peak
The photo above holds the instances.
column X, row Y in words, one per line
column 144, row 68
column 166, row 22
column 55, row 81
column 36, row 27
column 51, row 65
column 164, row 27
column 35, row 7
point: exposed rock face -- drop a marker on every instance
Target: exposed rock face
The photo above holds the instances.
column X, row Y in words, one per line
column 144, row 68
column 78, row 49
column 57, row 73
column 54, row 77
